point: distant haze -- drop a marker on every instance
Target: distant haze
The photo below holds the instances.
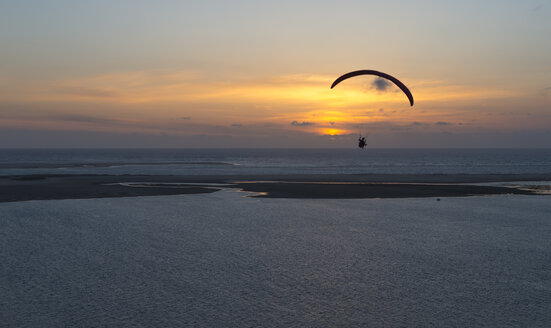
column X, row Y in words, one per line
column 257, row 73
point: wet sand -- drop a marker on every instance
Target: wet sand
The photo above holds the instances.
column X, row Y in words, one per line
column 373, row 190
column 45, row 187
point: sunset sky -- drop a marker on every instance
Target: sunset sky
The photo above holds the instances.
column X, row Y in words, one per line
column 258, row 73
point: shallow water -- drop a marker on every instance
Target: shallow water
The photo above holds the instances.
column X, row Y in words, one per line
column 222, row 260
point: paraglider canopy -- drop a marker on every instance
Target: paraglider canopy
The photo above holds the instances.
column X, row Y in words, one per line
column 377, row 73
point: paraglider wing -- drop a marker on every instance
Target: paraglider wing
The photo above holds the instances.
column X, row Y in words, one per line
column 377, row 73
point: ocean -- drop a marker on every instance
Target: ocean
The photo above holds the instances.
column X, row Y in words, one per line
column 274, row 161
column 225, row 259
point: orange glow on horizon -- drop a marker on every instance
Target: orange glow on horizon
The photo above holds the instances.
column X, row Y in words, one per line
column 127, row 100
column 332, row 132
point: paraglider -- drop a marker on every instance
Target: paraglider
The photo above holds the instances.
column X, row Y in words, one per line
column 377, row 73
column 361, row 141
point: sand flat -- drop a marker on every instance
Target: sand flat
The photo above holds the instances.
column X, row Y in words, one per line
column 44, row 187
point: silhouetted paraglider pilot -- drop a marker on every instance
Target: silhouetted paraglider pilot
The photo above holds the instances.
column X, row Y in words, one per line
column 361, row 142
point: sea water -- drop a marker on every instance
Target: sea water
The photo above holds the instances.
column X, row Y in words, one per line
column 226, row 260
column 223, row 259
column 274, row 161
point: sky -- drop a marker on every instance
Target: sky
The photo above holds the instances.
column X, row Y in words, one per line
column 258, row 73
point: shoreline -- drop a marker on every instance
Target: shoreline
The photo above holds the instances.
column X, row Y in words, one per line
column 317, row 186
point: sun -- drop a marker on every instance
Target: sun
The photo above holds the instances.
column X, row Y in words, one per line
column 332, row 132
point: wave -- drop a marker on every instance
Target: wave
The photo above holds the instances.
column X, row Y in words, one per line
column 107, row 165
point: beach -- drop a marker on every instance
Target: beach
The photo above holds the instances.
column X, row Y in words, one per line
column 44, row 187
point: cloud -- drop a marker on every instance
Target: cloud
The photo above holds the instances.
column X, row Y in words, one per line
column 380, row 84
column 344, row 136
column 332, row 123
column 303, row 123
column 236, row 124
column 443, row 123
column 88, row 92
column 79, row 118
column 187, row 118
column 417, row 123
column 546, row 92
